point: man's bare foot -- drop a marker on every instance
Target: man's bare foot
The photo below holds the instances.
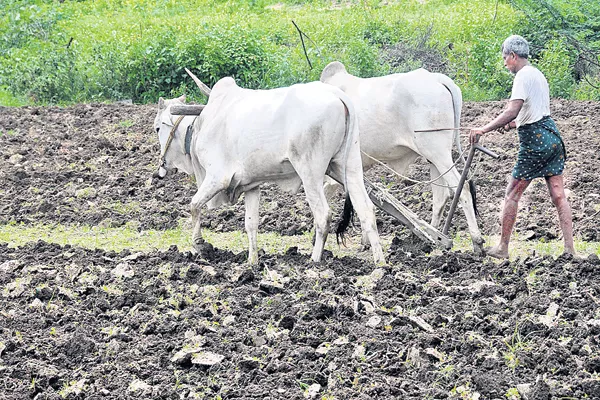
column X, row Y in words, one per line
column 573, row 254
column 496, row 252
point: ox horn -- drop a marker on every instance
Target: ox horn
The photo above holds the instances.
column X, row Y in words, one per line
column 203, row 88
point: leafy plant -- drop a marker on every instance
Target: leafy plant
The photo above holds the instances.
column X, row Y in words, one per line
column 64, row 52
column 556, row 64
column 571, row 29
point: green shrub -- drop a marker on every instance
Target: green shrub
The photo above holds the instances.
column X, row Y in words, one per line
column 50, row 74
column 565, row 40
column 10, row 100
column 150, row 69
column 138, row 49
column 106, row 73
column 156, row 68
column 587, row 89
column 24, row 21
column 555, row 62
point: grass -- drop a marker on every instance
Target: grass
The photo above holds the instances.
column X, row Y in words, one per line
column 9, row 100
column 128, row 237
column 520, row 248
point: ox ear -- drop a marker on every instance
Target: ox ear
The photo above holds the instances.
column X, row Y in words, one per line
column 181, row 98
column 331, row 69
column 161, row 103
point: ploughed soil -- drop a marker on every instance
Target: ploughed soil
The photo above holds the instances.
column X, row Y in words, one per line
column 95, row 324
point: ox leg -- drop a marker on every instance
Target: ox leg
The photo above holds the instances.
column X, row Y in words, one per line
column 251, row 201
column 315, row 195
column 440, row 193
column 207, row 190
column 362, row 204
column 400, row 166
column 313, row 182
column 466, row 202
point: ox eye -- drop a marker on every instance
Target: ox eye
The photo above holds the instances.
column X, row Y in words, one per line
column 157, row 130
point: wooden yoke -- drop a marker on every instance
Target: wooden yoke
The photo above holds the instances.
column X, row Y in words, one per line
column 187, row 109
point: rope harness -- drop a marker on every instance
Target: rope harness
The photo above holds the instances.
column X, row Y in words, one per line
column 163, row 160
column 415, row 181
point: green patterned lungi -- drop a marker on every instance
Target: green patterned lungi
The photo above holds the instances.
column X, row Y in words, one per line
column 542, row 152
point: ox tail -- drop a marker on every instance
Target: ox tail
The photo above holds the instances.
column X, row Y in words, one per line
column 347, row 215
column 472, row 189
column 351, row 135
column 456, row 95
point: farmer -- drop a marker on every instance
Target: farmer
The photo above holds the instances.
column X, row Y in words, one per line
column 541, row 153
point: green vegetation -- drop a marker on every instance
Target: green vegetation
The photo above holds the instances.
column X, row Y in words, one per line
column 9, row 100
column 102, row 50
column 523, row 248
column 129, row 237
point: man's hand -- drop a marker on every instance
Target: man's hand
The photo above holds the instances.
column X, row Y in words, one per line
column 505, row 128
column 474, row 135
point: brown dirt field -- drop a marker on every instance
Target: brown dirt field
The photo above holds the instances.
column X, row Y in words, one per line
column 96, row 324
column 112, row 149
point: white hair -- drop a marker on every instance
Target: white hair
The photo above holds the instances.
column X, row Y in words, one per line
column 516, row 44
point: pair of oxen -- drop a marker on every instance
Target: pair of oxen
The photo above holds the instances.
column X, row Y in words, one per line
column 311, row 134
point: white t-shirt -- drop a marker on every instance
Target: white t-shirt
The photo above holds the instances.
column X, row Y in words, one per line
column 531, row 86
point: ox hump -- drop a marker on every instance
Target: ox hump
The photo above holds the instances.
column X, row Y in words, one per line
column 225, row 83
column 331, row 69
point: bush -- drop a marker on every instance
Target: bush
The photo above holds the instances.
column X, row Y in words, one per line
column 138, row 49
column 156, row 68
column 151, row 69
column 51, row 76
column 556, row 64
column 588, row 89
column 24, row 21
column 565, row 41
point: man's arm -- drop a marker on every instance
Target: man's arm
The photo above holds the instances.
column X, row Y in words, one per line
column 507, row 116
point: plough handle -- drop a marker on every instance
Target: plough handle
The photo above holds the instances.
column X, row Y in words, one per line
column 462, row 180
column 459, row 188
column 486, row 150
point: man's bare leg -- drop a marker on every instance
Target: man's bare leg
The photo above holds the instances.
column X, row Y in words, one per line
column 514, row 191
column 556, row 188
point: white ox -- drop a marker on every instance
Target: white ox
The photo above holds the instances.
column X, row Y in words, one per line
column 390, row 109
column 290, row 136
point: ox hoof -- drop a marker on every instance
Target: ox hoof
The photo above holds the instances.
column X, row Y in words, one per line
column 478, row 248
column 380, row 262
column 204, row 249
column 479, row 251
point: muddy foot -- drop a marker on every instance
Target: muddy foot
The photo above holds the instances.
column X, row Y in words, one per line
column 572, row 255
column 496, row 253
